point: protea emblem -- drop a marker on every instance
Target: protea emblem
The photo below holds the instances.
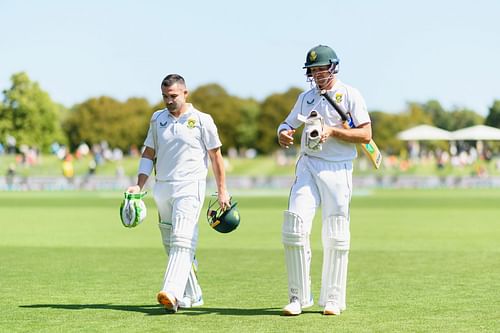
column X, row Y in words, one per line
column 312, row 56
column 191, row 123
column 338, row 97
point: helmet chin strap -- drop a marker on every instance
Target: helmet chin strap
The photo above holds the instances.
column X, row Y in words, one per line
column 333, row 70
column 326, row 81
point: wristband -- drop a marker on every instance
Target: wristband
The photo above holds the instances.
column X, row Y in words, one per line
column 145, row 166
column 284, row 127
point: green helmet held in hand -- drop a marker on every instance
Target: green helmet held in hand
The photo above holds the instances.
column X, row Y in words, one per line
column 223, row 221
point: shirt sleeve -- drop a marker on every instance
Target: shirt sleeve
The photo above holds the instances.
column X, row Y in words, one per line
column 209, row 133
column 357, row 108
column 149, row 141
column 292, row 121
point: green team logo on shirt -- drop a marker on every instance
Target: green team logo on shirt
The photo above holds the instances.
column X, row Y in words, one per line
column 338, row 97
column 191, row 123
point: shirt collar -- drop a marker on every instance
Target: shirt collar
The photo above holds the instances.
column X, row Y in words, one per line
column 188, row 112
column 334, row 87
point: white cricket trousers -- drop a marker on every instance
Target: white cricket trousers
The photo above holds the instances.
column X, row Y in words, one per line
column 320, row 183
column 179, row 204
column 329, row 185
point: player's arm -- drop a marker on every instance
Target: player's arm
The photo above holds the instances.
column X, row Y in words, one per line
column 360, row 134
column 286, row 129
column 285, row 135
column 146, row 165
column 220, row 176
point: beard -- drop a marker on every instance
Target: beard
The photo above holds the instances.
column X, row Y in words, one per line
column 173, row 107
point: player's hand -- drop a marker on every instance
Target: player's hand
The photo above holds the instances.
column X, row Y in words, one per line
column 224, row 200
column 134, row 189
column 286, row 138
column 327, row 132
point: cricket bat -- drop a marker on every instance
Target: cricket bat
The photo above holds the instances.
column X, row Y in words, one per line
column 370, row 149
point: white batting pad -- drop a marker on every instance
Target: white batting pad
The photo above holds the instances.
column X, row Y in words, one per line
column 166, row 231
column 193, row 289
column 336, row 243
column 179, row 265
column 181, row 255
column 297, row 257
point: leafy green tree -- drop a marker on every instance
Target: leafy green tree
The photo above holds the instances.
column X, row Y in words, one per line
column 236, row 118
column 493, row 118
column 450, row 120
column 247, row 129
column 274, row 110
column 4, row 123
column 416, row 114
column 462, row 118
column 385, row 127
column 439, row 116
column 104, row 118
column 29, row 114
column 158, row 106
column 139, row 113
column 224, row 109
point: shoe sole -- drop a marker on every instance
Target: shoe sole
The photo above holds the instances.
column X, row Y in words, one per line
column 330, row 313
column 169, row 303
column 290, row 314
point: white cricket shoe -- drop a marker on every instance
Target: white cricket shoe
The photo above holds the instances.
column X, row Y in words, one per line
column 293, row 308
column 168, row 301
column 308, row 304
column 331, row 308
column 187, row 302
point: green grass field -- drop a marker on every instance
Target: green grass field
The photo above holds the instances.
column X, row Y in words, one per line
column 420, row 261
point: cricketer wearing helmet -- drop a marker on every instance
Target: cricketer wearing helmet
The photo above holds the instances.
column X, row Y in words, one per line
column 181, row 139
column 323, row 178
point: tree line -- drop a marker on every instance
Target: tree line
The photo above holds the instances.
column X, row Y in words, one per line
column 28, row 113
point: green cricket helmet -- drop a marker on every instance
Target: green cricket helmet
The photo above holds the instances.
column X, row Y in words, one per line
column 321, row 55
column 223, row 221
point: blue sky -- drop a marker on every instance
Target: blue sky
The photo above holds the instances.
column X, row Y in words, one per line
column 392, row 51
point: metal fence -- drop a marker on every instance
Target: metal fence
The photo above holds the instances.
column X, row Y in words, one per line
column 105, row 183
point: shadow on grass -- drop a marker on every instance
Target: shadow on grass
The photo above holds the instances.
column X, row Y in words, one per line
column 155, row 310
column 147, row 309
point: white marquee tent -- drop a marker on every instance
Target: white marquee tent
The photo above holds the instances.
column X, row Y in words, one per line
column 479, row 132
column 425, row 132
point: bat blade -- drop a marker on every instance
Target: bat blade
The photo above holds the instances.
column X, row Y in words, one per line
column 372, row 152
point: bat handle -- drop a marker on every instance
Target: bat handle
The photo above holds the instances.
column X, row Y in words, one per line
column 334, row 104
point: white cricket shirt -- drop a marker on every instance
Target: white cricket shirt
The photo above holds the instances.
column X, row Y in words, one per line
column 182, row 144
column 349, row 99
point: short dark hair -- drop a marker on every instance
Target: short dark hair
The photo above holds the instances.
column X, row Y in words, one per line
column 172, row 79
